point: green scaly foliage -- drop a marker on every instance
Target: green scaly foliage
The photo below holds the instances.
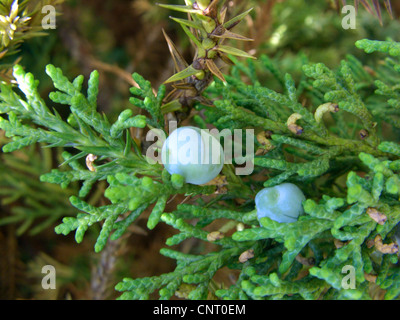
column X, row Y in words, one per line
column 343, row 175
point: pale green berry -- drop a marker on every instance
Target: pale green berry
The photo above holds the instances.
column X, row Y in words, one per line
column 282, row 203
column 194, row 154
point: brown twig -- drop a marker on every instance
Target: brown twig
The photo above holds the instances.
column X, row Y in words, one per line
column 120, row 73
column 258, row 27
column 103, row 272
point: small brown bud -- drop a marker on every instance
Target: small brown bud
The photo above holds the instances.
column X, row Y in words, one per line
column 370, row 243
column 363, row 134
column 370, row 71
column 370, row 277
column 266, row 144
column 376, row 215
column 324, row 108
column 215, row 235
column 260, row 152
column 296, row 129
column 291, row 123
column 90, row 158
column 338, row 244
column 268, row 134
column 247, row 255
column 385, row 248
column 305, row 261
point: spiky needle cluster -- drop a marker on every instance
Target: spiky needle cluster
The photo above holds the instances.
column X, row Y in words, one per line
column 19, row 20
column 207, row 29
column 375, row 8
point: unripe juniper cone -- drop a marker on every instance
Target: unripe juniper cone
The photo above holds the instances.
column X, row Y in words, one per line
column 282, row 203
column 194, row 154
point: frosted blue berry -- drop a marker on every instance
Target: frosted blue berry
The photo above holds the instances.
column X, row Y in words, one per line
column 282, row 203
column 194, row 154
